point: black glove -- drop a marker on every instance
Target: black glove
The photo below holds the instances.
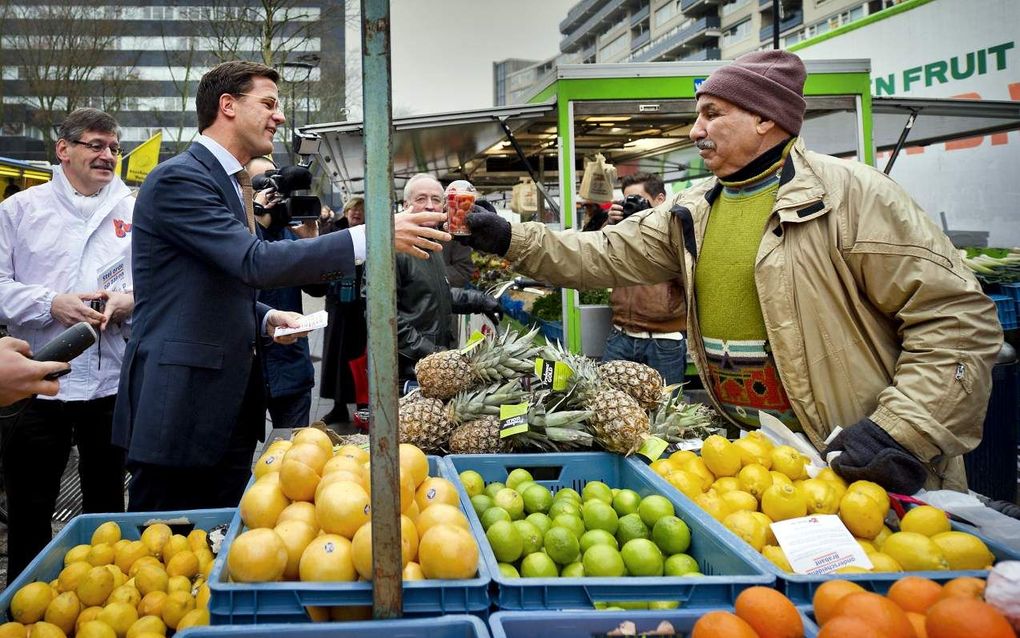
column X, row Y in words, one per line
column 492, row 309
column 870, row 454
column 490, row 233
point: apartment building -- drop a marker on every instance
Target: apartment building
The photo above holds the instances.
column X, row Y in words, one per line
column 621, row 31
column 142, row 61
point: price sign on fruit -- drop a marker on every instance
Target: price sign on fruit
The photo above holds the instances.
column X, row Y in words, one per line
column 819, row 544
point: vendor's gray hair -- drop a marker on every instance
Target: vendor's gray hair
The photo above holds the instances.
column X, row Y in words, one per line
column 415, row 178
column 87, row 119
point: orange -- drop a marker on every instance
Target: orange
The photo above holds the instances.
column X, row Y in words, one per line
column 261, row 505
column 828, row 594
column 849, row 627
column 295, row 536
column 327, row 558
column 436, row 490
column 313, row 436
column 917, row 621
column 877, row 611
column 342, row 508
column 446, row 551
column 298, row 480
column 960, row 617
column 407, row 488
column 415, row 462
column 299, row 511
column 722, row 624
column 342, row 463
column 914, row 593
column 359, row 454
column 340, row 475
column 770, row 613
column 255, row 556
column 441, row 513
column 965, row 586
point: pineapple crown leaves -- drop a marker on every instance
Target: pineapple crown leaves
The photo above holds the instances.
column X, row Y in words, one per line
column 675, row 420
column 471, row 404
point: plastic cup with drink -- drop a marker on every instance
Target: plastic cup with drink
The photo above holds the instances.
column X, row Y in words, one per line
column 460, row 197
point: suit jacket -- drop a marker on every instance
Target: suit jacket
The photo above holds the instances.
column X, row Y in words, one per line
column 197, row 322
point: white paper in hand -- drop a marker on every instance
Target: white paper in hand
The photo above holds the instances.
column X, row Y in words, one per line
column 819, row 544
column 308, row 323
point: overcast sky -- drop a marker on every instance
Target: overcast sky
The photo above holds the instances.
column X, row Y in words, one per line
column 443, row 50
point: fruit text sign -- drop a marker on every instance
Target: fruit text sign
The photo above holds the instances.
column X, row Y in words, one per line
column 819, row 544
column 513, row 419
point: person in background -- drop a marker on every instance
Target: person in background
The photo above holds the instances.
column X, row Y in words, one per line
column 347, row 333
column 817, row 290
column 648, row 321
column 65, row 257
column 21, row 377
column 288, row 371
column 425, row 301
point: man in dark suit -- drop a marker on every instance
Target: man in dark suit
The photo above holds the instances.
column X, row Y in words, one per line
column 192, row 403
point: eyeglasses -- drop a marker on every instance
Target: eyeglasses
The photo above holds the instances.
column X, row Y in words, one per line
column 274, row 104
column 99, row 147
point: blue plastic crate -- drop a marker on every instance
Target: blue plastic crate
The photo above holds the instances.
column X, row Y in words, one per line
column 442, row 627
column 1011, row 290
column 584, row 624
column 1006, row 307
column 262, row 603
column 47, row 565
column 551, row 330
column 801, row 588
column 729, row 567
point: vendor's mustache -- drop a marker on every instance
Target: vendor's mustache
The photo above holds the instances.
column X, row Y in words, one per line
column 102, row 164
column 705, row 145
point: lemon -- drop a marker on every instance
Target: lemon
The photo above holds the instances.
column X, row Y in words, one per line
column 176, row 606
column 76, row 554
column 150, row 624
column 779, row 477
column 725, row 484
column 787, row 460
column 156, row 536
column 882, row 562
column 861, row 514
column 662, row 467
column 194, row 618
column 828, row 474
column 874, row 490
column 119, row 616
column 777, row 556
column 780, row 502
column 915, row 552
column 108, row 532
column 71, row 575
column 63, row 611
column 748, row 527
column 681, row 456
column 963, row 550
column 721, row 458
column 866, row 545
column 100, row 554
column 766, row 523
column 880, row 539
column 697, row 467
column 752, row 450
column 95, row 629
column 820, row 496
column 925, row 520
column 740, row 500
column 713, row 504
column 754, row 479
column 47, row 630
column 689, row 484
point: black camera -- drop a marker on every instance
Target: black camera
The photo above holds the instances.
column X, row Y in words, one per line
column 291, row 183
column 634, row 204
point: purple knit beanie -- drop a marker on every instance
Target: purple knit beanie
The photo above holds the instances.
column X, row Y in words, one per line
column 769, row 83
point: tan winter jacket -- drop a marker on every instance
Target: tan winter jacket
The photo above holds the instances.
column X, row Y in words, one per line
column 868, row 308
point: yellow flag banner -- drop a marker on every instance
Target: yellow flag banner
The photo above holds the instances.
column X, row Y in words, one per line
column 143, row 158
column 118, row 169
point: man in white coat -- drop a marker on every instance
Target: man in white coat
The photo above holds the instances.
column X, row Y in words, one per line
column 65, row 258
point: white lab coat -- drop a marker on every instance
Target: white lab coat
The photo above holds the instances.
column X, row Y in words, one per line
column 49, row 247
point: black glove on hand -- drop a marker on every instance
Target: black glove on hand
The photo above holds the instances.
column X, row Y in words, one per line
column 870, row 454
column 490, row 233
column 492, row 309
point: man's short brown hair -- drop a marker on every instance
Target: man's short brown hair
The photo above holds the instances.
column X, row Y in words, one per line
column 651, row 183
column 230, row 77
column 79, row 121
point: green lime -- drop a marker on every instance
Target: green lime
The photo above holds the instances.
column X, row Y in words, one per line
column 493, row 488
column 518, row 476
column 680, row 565
column 599, row 515
column 538, row 565
column 692, row 575
column 642, row 557
column 597, row 537
column 524, row 485
column 570, row 522
column 652, row 508
column 626, row 502
column 603, row 561
column 481, row 502
column 473, row 482
column 511, row 501
column 531, row 536
column 564, row 506
column 663, row 604
column 541, row 521
column 561, row 545
column 573, row 570
column 631, row 526
column 493, row 515
column 537, row 499
column 567, row 493
column 597, row 490
column 506, row 543
column 630, row 605
column 671, row 535
column 508, row 570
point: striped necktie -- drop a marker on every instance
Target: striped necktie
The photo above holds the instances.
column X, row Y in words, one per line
column 248, row 195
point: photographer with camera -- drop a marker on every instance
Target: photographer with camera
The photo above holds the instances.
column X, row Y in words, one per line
column 61, row 243
column 649, row 322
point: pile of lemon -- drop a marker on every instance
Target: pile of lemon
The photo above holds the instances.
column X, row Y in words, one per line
column 119, row 588
column 308, row 517
column 750, row 483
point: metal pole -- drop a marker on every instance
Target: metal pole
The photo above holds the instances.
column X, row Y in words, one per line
column 900, row 142
column 382, row 309
column 775, row 24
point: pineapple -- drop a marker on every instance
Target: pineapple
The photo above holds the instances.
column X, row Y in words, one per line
column 480, row 436
column 444, row 374
column 675, row 420
column 642, row 382
column 428, row 423
column 550, row 428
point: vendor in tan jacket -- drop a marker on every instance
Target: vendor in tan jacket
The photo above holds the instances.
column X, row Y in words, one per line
column 818, row 291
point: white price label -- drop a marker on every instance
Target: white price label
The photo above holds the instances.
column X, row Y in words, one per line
column 819, row 544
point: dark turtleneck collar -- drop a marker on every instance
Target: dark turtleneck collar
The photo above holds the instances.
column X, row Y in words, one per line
column 758, row 165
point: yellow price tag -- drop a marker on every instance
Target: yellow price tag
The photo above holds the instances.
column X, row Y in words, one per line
column 652, row 448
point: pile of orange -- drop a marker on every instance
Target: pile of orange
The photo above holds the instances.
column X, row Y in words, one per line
column 914, row 607
column 761, row 612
